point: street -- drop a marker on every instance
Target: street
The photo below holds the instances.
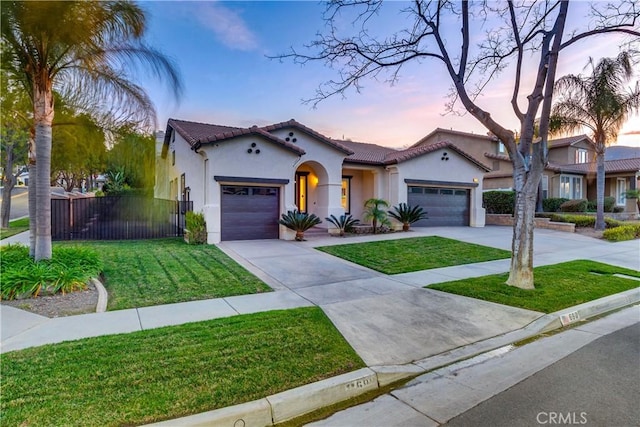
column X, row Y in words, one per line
column 586, row 375
column 19, row 202
column 597, row 385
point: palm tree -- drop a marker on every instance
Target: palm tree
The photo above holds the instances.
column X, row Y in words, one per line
column 374, row 211
column 601, row 103
column 86, row 51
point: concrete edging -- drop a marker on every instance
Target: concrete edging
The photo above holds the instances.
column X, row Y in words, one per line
column 308, row 398
column 103, row 298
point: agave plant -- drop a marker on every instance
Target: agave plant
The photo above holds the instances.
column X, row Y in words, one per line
column 407, row 215
column 345, row 223
column 299, row 222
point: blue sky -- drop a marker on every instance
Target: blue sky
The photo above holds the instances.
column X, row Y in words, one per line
column 221, row 49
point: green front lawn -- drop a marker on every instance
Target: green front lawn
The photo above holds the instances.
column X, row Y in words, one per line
column 16, row 226
column 153, row 272
column 414, row 254
column 557, row 286
column 165, row 373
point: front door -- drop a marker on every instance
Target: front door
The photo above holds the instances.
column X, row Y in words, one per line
column 302, row 191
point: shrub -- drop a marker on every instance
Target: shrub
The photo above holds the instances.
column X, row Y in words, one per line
column 499, row 202
column 345, row 223
column 584, row 220
column 576, row 205
column 68, row 270
column 299, row 222
column 407, row 215
column 553, row 204
column 624, row 232
column 195, row 228
column 609, row 205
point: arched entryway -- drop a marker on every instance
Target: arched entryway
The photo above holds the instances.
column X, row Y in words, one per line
column 312, row 189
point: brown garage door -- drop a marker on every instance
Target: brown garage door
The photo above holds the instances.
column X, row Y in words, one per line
column 249, row 213
column 444, row 206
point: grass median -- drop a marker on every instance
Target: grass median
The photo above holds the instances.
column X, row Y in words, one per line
column 414, row 254
column 165, row 373
column 16, row 226
column 558, row 286
column 153, row 272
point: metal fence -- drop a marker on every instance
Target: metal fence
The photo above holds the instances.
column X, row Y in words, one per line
column 117, row 218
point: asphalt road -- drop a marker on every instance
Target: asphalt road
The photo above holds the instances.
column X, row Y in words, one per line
column 19, row 202
column 598, row 385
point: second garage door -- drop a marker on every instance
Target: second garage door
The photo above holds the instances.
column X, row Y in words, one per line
column 249, row 213
column 444, row 206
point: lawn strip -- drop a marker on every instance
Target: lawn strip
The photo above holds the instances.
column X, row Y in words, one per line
column 165, row 271
column 558, row 286
column 16, row 226
column 414, row 254
column 171, row 372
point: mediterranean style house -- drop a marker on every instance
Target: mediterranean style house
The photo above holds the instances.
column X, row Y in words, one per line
column 243, row 179
column 570, row 174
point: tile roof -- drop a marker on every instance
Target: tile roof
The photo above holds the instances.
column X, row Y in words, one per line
column 610, row 166
column 197, row 134
column 455, row 132
column 564, row 142
column 369, row 154
column 293, row 123
column 377, row 155
column 202, row 133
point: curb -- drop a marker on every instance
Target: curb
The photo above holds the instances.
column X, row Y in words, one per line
column 101, row 307
column 302, row 400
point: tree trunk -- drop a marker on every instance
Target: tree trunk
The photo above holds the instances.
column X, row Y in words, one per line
column 32, row 193
column 9, row 182
column 521, row 269
column 43, row 115
column 600, row 224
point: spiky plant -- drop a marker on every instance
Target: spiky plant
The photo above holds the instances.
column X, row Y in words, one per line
column 345, row 223
column 407, row 215
column 299, row 222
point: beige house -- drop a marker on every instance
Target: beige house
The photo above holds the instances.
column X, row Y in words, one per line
column 243, row 179
column 570, row 174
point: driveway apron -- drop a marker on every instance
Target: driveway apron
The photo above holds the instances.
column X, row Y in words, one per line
column 387, row 320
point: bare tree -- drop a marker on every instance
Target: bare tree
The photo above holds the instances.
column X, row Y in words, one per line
column 520, row 32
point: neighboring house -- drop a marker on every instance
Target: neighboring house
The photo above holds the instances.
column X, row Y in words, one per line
column 243, row 179
column 571, row 172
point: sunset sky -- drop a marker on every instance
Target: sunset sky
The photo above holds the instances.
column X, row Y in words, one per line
column 222, row 50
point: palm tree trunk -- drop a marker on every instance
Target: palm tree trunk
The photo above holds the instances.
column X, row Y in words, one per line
column 600, row 224
column 43, row 115
column 32, row 192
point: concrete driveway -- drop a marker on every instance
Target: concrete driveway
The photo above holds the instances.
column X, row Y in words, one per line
column 393, row 319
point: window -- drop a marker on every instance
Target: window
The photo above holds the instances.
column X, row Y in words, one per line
column 183, row 186
column 173, row 158
column 582, row 156
column 501, row 148
column 345, row 200
column 545, row 186
column 621, row 187
column 570, row 187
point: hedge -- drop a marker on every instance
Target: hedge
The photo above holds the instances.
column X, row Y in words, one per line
column 576, row 205
column 499, row 202
column 624, row 232
column 584, row 220
column 552, row 204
